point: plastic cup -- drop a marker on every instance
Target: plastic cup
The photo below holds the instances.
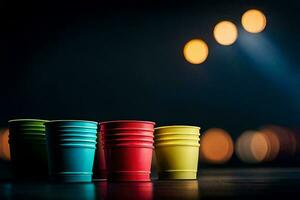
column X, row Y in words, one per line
column 181, row 129
column 177, row 142
column 117, row 132
column 177, row 151
column 71, row 149
column 28, row 148
column 125, row 139
column 177, row 161
column 128, row 163
column 179, row 137
column 130, row 125
column 128, row 147
column 27, row 122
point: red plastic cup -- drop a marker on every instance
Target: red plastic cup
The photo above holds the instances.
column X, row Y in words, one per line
column 128, row 147
column 128, row 163
column 120, row 133
column 127, row 125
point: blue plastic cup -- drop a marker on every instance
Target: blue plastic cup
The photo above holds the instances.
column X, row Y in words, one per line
column 71, row 149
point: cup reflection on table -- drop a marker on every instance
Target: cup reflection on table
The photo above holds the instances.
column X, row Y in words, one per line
column 184, row 189
column 125, row 190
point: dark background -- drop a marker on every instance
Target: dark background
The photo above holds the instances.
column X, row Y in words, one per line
column 96, row 60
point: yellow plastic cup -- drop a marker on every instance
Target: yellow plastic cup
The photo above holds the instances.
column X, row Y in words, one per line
column 177, row 151
column 176, row 142
column 177, row 129
column 178, row 136
column 177, row 161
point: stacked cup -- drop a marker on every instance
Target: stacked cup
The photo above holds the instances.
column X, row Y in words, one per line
column 28, row 148
column 71, row 149
column 128, row 147
column 177, row 151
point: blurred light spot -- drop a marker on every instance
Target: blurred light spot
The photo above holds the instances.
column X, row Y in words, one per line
column 254, row 21
column 225, row 33
column 216, row 146
column 4, row 146
column 195, row 51
column 274, row 145
column 284, row 142
column 259, row 146
column 252, row 147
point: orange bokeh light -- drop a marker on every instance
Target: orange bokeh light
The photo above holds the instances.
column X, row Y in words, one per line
column 216, row 146
column 4, row 145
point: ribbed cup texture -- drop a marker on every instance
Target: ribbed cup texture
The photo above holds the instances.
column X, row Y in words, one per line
column 28, row 148
column 71, row 149
column 128, row 147
column 177, row 151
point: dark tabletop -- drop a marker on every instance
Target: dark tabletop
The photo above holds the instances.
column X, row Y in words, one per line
column 252, row 183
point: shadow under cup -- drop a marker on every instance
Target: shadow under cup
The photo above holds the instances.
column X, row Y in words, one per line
column 71, row 149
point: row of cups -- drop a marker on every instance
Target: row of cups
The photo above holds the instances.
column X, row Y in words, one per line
column 65, row 149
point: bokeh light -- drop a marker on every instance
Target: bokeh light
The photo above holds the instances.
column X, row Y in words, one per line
column 4, row 145
column 283, row 142
column 225, row 33
column 273, row 142
column 195, row 51
column 252, row 147
column 254, row 21
column 216, row 146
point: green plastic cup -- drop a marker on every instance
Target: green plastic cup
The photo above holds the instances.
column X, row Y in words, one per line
column 28, row 148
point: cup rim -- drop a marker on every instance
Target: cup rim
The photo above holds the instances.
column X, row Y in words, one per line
column 126, row 129
column 74, row 135
column 127, row 146
column 60, row 128
column 70, row 120
column 179, row 144
column 172, row 139
column 76, row 145
column 74, row 140
column 124, row 135
column 127, row 121
column 175, row 133
column 177, row 126
column 27, row 120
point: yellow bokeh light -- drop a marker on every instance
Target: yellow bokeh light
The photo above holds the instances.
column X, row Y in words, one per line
column 225, row 33
column 195, row 51
column 254, row 21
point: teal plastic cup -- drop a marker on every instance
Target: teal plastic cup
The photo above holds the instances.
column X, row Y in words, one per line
column 71, row 149
column 28, row 149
